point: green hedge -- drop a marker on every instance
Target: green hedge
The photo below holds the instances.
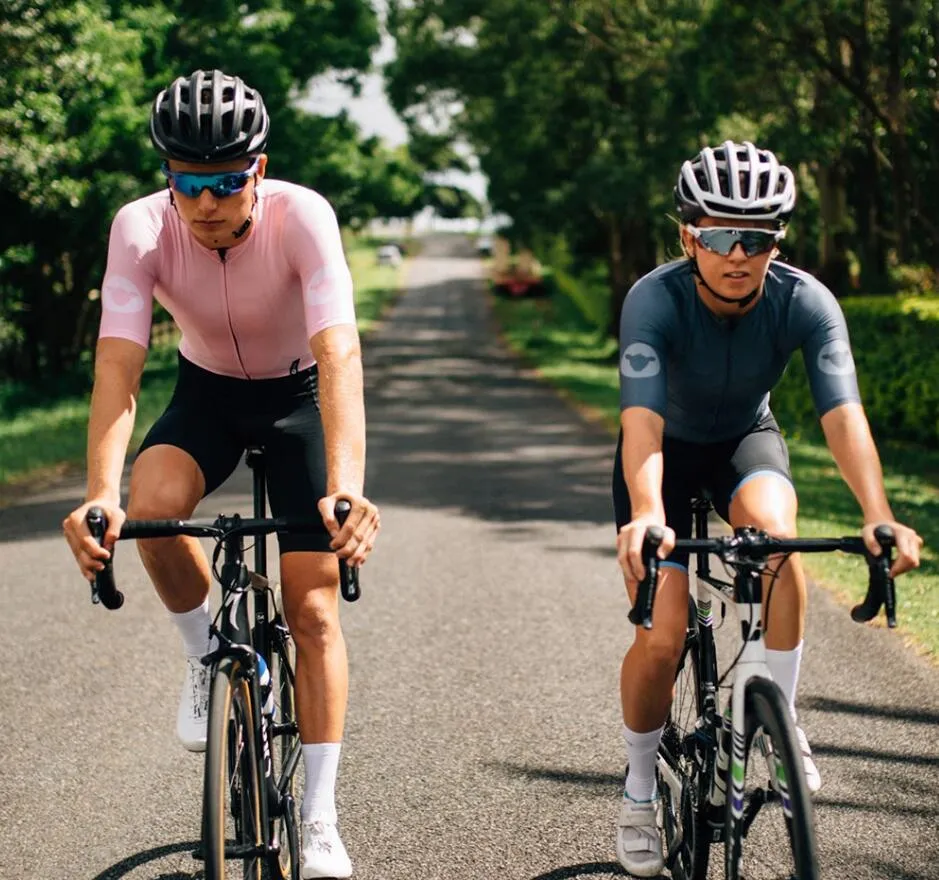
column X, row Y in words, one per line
column 896, row 349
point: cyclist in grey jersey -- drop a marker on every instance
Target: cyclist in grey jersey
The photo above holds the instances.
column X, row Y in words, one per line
column 703, row 342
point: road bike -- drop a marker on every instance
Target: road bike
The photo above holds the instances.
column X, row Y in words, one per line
column 711, row 791
column 249, row 806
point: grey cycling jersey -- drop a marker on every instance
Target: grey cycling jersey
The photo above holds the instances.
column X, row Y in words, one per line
column 709, row 377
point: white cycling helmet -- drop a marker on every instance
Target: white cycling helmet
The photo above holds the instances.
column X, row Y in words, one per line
column 735, row 181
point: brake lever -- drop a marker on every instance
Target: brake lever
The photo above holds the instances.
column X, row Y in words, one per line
column 348, row 574
column 103, row 588
column 641, row 612
column 881, row 590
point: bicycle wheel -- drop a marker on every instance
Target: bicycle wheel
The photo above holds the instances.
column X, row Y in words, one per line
column 683, row 764
column 285, row 750
column 232, row 790
column 775, row 817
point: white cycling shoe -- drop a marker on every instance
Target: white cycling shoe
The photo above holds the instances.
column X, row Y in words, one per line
column 323, row 854
column 638, row 840
column 813, row 778
column 192, row 717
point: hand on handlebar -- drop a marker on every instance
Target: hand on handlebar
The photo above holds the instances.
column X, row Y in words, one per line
column 89, row 554
column 352, row 541
column 908, row 544
column 629, row 545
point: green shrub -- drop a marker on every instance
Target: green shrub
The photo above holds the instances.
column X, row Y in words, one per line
column 896, row 349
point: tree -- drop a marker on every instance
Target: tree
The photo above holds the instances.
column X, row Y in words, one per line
column 79, row 79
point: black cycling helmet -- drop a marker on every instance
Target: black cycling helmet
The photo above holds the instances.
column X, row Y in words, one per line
column 735, row 181
column 209, row 117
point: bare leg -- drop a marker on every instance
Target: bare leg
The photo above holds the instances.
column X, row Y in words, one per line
column 166, row 482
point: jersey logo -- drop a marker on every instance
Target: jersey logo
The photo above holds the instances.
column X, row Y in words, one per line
column 835, row 358
column 318, row 291
column 640, row 361
column 121, row 295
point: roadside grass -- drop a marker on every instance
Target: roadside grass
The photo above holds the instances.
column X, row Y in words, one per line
column 553, row 338
column 42, row 432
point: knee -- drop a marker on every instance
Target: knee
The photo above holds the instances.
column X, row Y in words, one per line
column 314, row 623
column 660, row 649
column 774, row 523
column 160, row 502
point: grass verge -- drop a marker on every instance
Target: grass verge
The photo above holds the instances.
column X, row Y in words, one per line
column 42, row 435
column 552, row 337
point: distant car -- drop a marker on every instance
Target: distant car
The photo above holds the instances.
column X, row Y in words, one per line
column 484, row 245
column 389, row 255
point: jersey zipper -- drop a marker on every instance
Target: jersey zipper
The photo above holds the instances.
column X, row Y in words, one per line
column 221, row 255
column 720, row 407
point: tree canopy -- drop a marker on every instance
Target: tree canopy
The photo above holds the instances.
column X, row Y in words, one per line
column 581, row 112
column 75, row 94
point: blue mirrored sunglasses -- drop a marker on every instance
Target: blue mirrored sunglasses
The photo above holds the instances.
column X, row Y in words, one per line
column 222, row 184
column 722, row 239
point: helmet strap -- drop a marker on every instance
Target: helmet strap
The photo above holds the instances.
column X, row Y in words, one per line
column 741, row 303
column 241, row 230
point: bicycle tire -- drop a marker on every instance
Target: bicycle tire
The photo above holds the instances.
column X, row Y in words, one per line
column 231, row 786
column 687, row 855
column 284, row 822
column 767, row 710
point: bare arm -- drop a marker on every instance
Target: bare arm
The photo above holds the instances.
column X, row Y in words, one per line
column 642, row 461
column 849, row 438
column 342, row 404
column 642, row 470
column 118, row 367
column 339, row 356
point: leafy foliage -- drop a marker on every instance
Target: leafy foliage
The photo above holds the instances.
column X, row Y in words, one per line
column 581, row 112
column 79, row 78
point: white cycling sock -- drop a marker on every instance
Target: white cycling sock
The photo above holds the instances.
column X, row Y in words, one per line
column 784, row 667
column 194, row 628
column 640, row 751
column 321, row 765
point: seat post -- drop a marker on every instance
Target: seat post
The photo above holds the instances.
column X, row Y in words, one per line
column 254, row 458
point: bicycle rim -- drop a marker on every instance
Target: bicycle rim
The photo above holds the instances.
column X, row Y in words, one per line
column 687, row 837
column 780, row 844
column 231, row 804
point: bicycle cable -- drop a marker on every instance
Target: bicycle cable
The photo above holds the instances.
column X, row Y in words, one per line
column 773, row 576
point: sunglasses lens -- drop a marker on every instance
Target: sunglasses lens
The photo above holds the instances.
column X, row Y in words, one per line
column 722, row 241
column 757, row 241
column 220, row 185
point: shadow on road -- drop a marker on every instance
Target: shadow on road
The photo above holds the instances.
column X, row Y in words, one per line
column 909, row 809
column 606, row 781
column 131, row 863
column 588, row 869
column 874, row 755
column 895, row 713
column 453, row 423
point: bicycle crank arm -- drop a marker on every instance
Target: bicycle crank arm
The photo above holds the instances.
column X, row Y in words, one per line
column 754, row 805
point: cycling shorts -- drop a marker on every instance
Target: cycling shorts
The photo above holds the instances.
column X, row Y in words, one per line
column 215, row 418
column 718, row 469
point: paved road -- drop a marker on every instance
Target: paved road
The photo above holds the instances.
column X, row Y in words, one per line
column 483, row 738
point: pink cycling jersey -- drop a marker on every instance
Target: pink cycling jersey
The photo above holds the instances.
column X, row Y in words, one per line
column 248, row 311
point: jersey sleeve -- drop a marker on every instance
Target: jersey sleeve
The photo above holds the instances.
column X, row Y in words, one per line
column 643, row 346
column 826, row 346
column 127, row 289
column 314, row 247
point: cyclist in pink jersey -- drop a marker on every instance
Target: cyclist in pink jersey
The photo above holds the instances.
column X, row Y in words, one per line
column 254, row 274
